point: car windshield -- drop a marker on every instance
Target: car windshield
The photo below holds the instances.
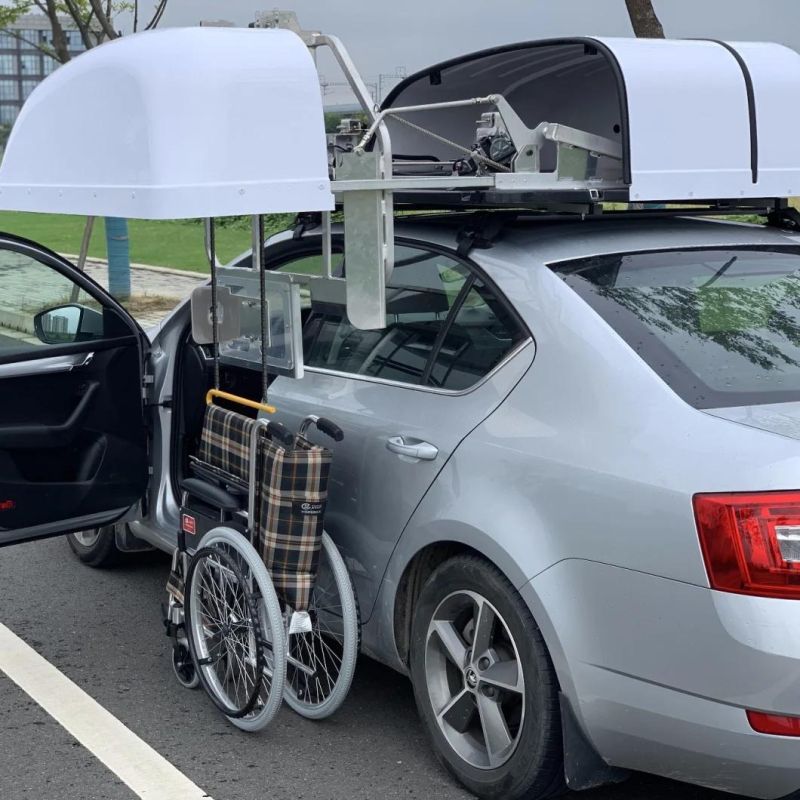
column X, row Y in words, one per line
column 720, row 326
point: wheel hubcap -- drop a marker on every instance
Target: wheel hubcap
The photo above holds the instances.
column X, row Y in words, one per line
column 475, row 682
column 87, row 538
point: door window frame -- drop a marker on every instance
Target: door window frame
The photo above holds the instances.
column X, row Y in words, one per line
column 294, row 249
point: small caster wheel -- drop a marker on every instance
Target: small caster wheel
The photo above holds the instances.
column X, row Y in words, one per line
column 183, row 667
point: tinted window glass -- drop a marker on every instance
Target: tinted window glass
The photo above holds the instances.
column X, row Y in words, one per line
column 423, row 288
column 722, row 327
column 444, row 328
column 482, row 334
column 306, row 265
column 40, row 307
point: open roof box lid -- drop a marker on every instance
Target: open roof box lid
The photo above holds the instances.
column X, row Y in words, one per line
column 172, row 124
column 674, row 120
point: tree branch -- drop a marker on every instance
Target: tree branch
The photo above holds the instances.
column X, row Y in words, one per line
column 157, row 14
column 135, row 15
column 103, row 20
column 645, row 22
column 83, row 24
column 42, row 48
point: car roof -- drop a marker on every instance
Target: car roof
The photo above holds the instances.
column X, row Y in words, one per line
column 549, row 240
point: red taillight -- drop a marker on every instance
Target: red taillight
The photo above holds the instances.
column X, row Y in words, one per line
column 751, row 542
column 774, row 724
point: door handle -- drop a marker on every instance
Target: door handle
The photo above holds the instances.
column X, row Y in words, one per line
column 40, row 366
column 412, row 448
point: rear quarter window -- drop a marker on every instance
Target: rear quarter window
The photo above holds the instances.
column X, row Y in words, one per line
column 720, row 326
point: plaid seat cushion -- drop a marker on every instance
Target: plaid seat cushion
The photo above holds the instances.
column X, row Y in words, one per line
column 290, row 516
column 225, row 441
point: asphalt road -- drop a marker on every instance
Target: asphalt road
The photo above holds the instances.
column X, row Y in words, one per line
column 103, row 630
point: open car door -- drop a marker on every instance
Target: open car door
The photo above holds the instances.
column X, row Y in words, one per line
column 73, row 440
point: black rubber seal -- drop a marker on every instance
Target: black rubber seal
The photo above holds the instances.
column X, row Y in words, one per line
column 751, row 103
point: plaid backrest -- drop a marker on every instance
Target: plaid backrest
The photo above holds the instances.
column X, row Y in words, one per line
column 290, row 516
column 225, row 441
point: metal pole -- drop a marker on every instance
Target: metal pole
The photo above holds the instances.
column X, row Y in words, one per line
column 211, row 252
column 119, row 257
column 85, row 242
column 258, row 264
column 327, row 248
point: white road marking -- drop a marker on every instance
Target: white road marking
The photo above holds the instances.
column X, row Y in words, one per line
column 141, row 768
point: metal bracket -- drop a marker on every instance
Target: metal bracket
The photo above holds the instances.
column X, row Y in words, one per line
column 480, row 232
column 369, row 243
column 286, row 20
column 784, row 216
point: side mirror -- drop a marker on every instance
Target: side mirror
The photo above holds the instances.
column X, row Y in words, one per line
column 68, row 324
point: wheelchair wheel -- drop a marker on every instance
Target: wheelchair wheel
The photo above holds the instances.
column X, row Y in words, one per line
column 235, row 629
column 321, row 663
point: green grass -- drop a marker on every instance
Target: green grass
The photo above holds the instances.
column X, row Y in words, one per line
column 174, row 243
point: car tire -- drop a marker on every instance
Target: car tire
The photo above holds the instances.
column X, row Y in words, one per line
column 524, row 717
column 97, row 548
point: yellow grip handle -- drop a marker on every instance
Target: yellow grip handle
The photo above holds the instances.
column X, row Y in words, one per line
column 242, row 401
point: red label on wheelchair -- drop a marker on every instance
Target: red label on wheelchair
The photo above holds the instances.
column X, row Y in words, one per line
column 188, row 524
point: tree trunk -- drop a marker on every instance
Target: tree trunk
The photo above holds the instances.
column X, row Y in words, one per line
column 59, row 37
column 646, row 24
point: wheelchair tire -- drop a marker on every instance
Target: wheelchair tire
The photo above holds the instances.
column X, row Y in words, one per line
column 184, row 668
column 264, row 653
column 320, row 664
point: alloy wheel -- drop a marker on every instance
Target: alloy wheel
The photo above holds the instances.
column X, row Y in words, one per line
column 474, row 678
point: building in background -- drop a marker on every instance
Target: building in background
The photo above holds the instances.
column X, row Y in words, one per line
column 23, row 65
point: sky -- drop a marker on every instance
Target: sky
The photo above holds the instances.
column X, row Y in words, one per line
column 382, row 35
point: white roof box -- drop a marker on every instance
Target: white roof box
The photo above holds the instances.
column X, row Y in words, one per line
column 696, row 120
column 191, row 122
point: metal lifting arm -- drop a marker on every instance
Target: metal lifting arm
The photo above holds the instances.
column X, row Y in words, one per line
column 369, row 212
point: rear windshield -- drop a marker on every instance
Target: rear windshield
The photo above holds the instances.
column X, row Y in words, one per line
column 720, row 326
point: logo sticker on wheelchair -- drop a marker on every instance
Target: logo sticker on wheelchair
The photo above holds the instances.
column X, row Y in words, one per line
column 188, row 523
column 307, row 509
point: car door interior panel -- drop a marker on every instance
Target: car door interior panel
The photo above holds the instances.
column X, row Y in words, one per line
column 73, row 433
column 70, row 441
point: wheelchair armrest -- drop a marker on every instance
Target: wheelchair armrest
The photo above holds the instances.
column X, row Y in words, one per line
column 208, row 493
column 217, row 477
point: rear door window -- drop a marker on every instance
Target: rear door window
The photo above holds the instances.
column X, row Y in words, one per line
column 482, row 333
column 720, row 326
column 423, row 289
column 445, row 329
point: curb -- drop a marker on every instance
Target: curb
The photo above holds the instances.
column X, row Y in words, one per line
column 16, row 321
column 147, row 267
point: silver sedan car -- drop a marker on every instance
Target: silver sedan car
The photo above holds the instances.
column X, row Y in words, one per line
column 568, row 494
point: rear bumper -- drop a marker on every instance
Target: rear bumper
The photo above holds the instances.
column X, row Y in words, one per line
column 660, row 674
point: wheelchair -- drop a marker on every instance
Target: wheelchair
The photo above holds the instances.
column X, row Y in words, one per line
column 261, row 607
